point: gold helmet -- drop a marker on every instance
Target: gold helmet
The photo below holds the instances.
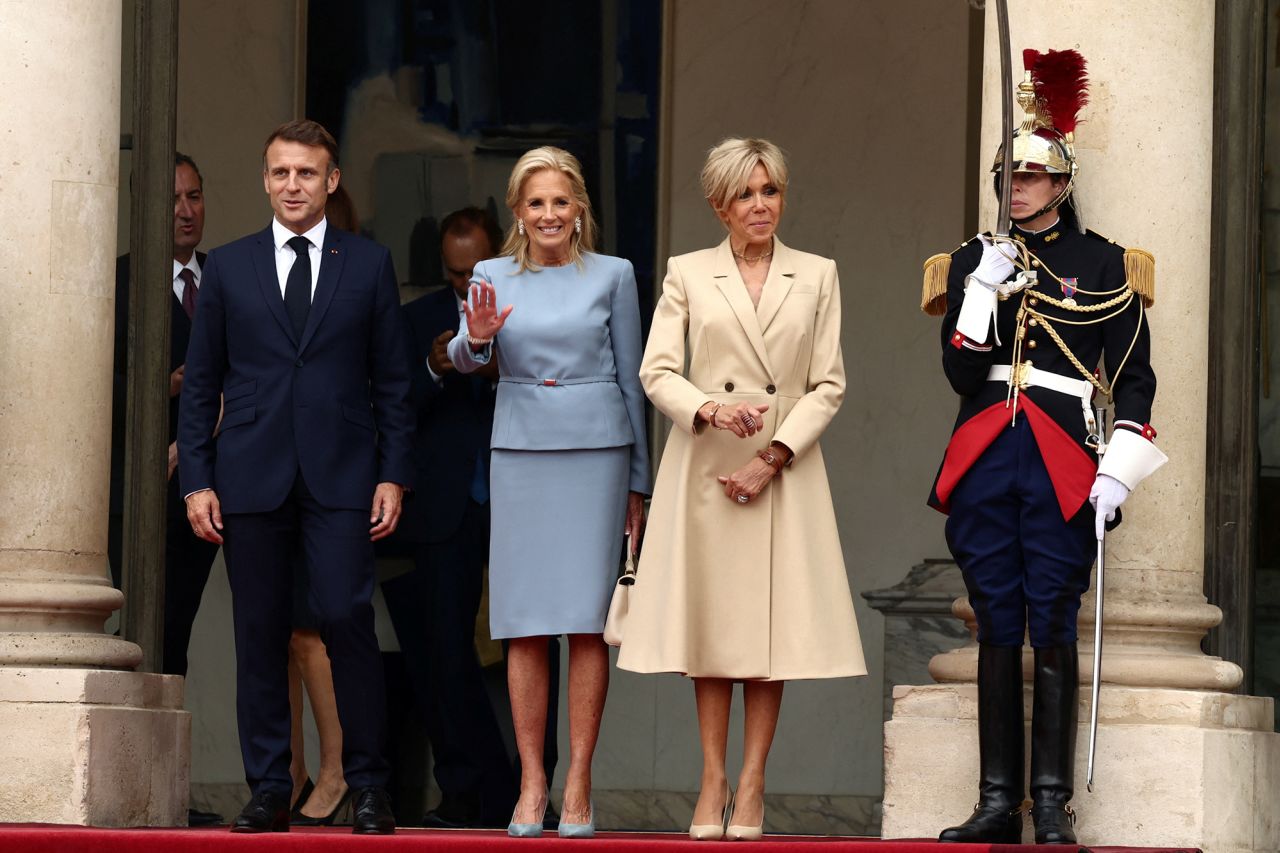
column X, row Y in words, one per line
column 1054, row 88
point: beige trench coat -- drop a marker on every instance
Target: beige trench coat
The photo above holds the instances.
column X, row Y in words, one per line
column 725, row 590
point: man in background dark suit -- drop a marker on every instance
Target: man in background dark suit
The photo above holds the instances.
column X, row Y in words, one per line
column 299, row 342
column 433, row 607
column 187, row 557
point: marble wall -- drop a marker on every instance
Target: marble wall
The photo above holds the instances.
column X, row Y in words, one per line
column 869, row 102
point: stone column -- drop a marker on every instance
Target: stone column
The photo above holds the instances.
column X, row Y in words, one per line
column 1180, row 761
column 85, row 739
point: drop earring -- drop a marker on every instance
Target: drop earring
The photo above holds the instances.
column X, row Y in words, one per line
column 520, row 226
column 577, row 225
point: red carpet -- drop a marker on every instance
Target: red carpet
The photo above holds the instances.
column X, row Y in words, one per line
column 31, row 838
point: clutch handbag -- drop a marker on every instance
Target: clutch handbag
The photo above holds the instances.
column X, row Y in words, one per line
column 616, row 622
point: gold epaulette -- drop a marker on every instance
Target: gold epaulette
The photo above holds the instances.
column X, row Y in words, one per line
column 1140, row 274
column 933, row 301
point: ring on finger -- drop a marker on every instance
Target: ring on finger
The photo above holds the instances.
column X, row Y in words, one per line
column 743, row 499
column 748, row 421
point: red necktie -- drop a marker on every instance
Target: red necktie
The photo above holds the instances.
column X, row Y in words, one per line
column 189, row 292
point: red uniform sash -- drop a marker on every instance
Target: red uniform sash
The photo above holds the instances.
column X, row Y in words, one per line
column 1071, row 470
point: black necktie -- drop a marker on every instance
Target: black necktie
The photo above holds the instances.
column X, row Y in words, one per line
column 297, row 288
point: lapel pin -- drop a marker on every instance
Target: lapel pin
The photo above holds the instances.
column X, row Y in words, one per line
column 333, row 251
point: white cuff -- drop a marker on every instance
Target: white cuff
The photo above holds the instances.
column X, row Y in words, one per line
column 976, row 311
column 439, row 380
column 1130, row 458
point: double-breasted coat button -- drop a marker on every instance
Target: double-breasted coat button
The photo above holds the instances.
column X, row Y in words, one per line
column 728, row 386
column 770, row 389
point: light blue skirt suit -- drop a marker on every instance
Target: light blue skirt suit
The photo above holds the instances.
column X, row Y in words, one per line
column 568, row 440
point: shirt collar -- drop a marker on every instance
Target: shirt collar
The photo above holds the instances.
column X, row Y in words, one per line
column 192, row 265
column 282, row 235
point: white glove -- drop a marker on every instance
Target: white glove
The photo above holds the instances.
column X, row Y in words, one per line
column 996, row 264
column 1106, row 496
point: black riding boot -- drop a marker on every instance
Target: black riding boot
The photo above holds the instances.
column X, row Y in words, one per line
column 1053, row 743
column 997, row 818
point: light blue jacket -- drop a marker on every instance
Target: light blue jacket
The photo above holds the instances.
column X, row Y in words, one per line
column 568, row 359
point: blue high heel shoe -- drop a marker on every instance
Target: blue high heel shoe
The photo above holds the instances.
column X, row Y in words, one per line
column 578, row 830
column 528, row 830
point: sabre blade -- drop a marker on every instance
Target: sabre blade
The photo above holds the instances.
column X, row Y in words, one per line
column 1006, row 116
column 1099, row 589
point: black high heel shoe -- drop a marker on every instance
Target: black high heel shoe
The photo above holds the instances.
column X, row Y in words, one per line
column 307, row 787
column 327, row 820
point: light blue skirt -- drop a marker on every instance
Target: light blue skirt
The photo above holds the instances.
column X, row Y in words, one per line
column 556, row 539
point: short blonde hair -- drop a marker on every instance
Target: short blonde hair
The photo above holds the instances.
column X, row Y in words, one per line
column 729, row 166
column 539, row 159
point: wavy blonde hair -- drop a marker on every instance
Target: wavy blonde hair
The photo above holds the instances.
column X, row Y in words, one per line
column 729, row 166
column 516, row 244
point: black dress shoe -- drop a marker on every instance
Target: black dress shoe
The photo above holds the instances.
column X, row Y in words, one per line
column 195, row 817
column 1054, row 823
column 373, row 813
column 265, row 812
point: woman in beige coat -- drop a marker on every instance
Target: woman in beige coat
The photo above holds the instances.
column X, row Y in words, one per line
column 742, row 576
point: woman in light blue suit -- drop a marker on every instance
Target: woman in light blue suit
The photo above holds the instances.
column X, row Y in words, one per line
column 570, row 463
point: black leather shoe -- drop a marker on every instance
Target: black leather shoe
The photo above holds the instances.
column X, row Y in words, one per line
column 1054, row 823
column 195, row 817
column 265, row 812
column 373, row 814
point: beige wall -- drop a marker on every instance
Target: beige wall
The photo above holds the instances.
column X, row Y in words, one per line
column 868, row 100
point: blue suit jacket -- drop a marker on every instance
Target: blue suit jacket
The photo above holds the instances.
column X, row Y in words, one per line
column 454, row 419
column 333, row 404
column 568, row 358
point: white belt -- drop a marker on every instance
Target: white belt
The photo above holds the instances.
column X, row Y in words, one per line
column 1034, row 377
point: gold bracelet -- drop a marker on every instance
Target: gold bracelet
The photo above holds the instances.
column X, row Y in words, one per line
column 711, row 418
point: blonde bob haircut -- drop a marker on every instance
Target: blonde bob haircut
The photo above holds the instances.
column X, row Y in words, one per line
column 548, row 157
column 729, row 166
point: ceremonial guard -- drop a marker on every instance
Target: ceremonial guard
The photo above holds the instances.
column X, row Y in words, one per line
column 1028, row 320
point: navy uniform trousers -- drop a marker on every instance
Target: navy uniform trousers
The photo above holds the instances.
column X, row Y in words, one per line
column 1025, row 567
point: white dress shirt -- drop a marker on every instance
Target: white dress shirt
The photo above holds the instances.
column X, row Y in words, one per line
column 180, row 286
column 285, row 255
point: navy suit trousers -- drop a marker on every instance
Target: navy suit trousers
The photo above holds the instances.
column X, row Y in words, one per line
column 260, row 549
column 1025, row 567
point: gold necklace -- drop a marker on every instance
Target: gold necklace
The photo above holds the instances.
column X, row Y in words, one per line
column 747, row 260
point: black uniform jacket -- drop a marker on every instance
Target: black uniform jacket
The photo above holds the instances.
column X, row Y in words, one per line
column 1116, row 339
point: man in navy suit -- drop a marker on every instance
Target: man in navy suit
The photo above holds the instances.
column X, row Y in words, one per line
column 299, row 341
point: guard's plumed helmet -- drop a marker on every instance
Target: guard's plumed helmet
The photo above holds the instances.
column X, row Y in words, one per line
column 1053, row 90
